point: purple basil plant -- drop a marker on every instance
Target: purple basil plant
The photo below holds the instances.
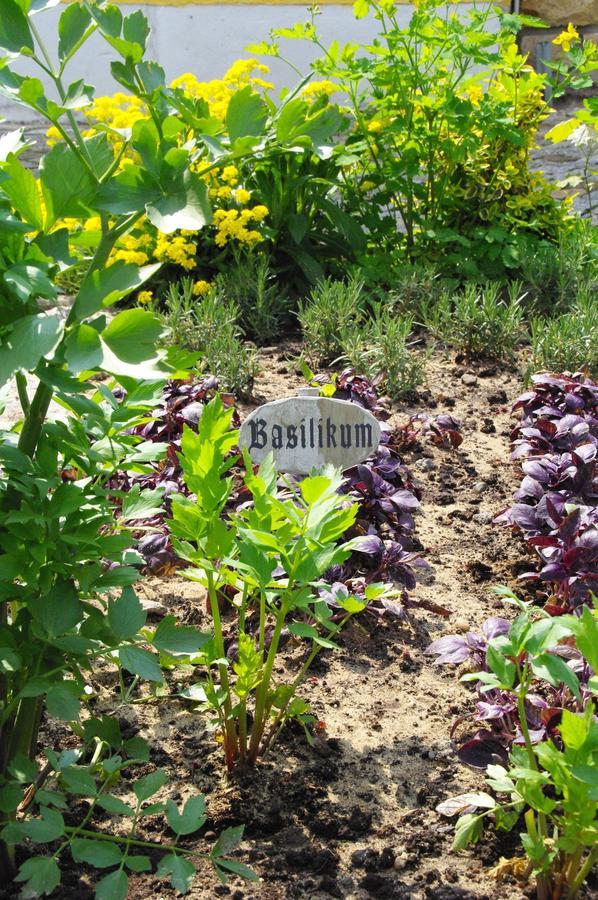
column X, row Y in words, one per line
column 556, row 504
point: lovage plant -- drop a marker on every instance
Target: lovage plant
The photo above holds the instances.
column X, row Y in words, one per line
column 66, row 565
column 269, row 555
column 550, row 776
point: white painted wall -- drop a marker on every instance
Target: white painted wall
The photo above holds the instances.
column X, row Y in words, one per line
column 204, row 40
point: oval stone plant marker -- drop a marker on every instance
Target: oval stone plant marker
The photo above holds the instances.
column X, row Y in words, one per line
column 310, row 432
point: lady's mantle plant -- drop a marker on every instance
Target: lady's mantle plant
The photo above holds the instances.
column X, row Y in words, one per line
column 66, row 569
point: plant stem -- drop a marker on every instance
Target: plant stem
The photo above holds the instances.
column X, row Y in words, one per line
column 262, row 691
column 230, row 732
column 583, row 874
column 32, row 426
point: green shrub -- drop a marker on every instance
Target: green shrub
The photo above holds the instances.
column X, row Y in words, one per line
column 477, row 321
column 333, row 310
column 416, row 286
column 446, row 113
column 554, row 275
column 568, row 342
column 392, row 354
column 208, row 326
column 263, row 304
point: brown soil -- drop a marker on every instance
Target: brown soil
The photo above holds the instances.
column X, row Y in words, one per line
column 355, row 817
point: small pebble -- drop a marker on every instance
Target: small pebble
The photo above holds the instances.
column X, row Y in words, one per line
column 460, row 625
column 483, row 518
column 425, row 465
column 480, row 486
column 469, row 379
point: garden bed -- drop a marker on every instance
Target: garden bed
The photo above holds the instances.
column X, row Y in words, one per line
column 355, row 815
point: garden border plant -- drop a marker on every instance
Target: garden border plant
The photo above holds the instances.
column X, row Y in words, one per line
column 67, row 567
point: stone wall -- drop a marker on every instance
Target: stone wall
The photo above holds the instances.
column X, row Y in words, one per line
column 561, row 12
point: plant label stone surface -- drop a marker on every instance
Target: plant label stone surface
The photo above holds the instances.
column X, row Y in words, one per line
column 309, row 432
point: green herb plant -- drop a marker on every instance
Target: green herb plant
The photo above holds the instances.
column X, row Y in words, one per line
column 97, row 773
column 67, row 567
column 568, row 342
column 445, row 114
column 334, row 308
column 263, row 302
column 478, row 320
column 271, row 554
column 208, row 326
column 550, row 785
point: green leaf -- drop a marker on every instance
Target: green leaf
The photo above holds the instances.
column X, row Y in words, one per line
column 83, row 349
column 173, row 638
column 142, row 505
column 556, row 672
column 100, row 854
column 126, row 615
column 10, row 797
column 502, row 667
column 115, row 806
column 468, row 830
column 114, row 886
column 150, row 784
column 186, row 208
column 26, row 281
column 180, row 869
column 31, row 338
column 237, row 868
column 192, row 817
column 77, row 780
column 302, row 629
column 41, row 874
column 15, row 35
column 47, row 828
column 228, row 841
column 68, row 187
column 574, row 730
column 139, row 863
column 132, row 335
column 62, row 701
column 72, row 25
column 22, row 191
column 107, row 286
column 246, row 114
column 10, row 661
column 59, row 610
column 140, row 662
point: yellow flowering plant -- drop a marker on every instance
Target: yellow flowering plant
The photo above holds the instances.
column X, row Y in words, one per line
column 445, row 111
column 239, row 191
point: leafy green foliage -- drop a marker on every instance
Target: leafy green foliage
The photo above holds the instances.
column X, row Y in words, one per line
column 550, row 782
column 333, row 310
column 207, row 325
column 478, row 321
column 296, row 532
column 445, row 113
column 263, row 302
column 567, row 343
column 99, row 771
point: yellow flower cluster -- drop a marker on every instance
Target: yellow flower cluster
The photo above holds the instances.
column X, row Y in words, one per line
column 201, row 288
column 315, row 89
column 145, row 297
column 131, row 249
column 217, row 93
column 117, row 111
column 176, row 248
column 233, row 223
column 567, row 38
